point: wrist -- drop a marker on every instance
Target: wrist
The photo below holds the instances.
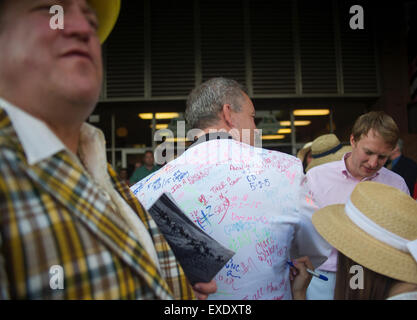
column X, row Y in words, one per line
column 299, row 296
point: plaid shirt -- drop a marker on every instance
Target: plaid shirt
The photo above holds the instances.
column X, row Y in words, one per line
column 52, row 213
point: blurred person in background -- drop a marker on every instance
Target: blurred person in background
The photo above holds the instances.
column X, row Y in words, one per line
column 404, row 166
column 146, row 169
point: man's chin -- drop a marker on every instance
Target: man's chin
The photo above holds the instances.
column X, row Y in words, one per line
column 369, row 172
column 83, row 96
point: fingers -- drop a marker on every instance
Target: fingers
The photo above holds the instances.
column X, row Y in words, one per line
column 200, row 296
column 309, row 264
column 301, row 279
column 202, row 289
column 301, row 264
column 293, row 273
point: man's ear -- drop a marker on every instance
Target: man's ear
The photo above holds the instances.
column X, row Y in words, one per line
column 352, row 141
column 227, row 115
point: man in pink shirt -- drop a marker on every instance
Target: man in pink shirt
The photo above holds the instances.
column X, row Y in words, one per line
column 374, row 136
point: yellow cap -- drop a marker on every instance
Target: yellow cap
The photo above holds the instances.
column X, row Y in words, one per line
column 107, row 13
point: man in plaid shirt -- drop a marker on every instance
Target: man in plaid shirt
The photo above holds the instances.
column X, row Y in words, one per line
column 69, row 229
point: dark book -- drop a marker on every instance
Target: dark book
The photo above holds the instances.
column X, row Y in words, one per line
column 200, row 255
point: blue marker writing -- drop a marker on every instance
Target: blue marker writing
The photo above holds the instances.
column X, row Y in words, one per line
column 313, row 273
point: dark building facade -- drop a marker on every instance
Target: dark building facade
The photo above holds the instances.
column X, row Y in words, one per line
column 290, row 54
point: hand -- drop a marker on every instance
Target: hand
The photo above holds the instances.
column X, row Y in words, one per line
column 202, row 289
column 300, row 278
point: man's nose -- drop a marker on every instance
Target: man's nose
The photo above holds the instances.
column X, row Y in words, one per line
column 77, row 24
column 373, row 161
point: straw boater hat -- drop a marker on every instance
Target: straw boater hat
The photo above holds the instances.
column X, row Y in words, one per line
column 327, row 148
column 377, row 228
column 107, row 12
column 303, row 151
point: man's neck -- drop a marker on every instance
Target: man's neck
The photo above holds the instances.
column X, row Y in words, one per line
column 350, row 168
column 149, row 167
column 69, row 136
column 63, row 119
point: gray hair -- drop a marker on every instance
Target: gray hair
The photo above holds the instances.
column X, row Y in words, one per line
column 206, row 101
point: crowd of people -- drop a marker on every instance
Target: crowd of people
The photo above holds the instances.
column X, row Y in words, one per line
column 62, row 204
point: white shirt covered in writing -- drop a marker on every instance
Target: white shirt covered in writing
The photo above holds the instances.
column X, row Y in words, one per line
column 253, row 201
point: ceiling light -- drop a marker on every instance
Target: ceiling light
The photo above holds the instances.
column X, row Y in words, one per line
column 311, row 112
column 160, row 126
column 176, row 140
column 297, row 123
column 284, row 130
column 121, row 132
column 159, row 115
column 273, row 137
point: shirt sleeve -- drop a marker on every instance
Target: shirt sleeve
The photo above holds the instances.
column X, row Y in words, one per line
column 4, row 287
column 403, row 187
column 307, row 241
column 312, row 190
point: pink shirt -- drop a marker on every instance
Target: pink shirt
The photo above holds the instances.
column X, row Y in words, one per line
column 331, row 183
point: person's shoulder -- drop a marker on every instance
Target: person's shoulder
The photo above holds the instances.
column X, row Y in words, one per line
column 267, row 153
column 278, row 156
column 141, row 169
column 137, row 170
column 384, row 172
column 326, row 167
column 391, row 178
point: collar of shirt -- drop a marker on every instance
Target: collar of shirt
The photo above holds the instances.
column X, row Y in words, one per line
column 346, row 172
column 92, row 152
column 38, row 141
column 211, row 136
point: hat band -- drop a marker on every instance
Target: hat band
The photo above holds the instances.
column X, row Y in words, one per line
column 379, row 233
column 326, row 153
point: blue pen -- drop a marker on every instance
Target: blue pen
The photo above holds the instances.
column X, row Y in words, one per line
column 313, row 273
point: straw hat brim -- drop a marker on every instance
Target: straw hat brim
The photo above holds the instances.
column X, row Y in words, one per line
column 107, row 13
column 329, row 158
column 302, row 153
column 336, row 228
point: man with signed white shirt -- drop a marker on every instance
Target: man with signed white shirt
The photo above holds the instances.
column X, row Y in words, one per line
column 252, row 200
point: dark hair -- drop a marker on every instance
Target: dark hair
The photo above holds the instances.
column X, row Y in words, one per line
column 375, row 285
